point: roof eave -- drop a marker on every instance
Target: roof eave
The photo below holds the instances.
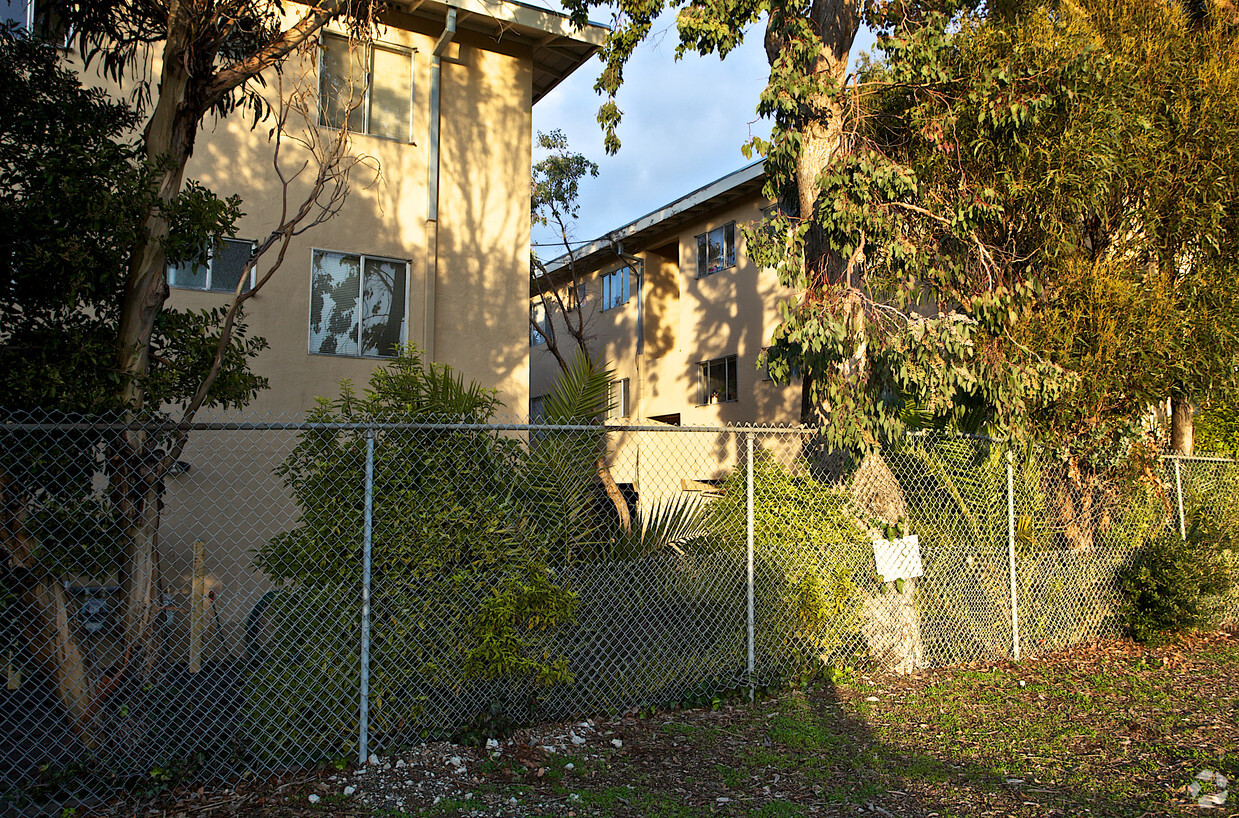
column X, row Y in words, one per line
column 559, row 47
column 736, row 185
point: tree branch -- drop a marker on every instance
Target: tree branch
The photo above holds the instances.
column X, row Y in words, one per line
column 323, row 201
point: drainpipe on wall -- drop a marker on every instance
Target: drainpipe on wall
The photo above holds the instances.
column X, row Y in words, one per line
column 638, row 266
column 432, row 186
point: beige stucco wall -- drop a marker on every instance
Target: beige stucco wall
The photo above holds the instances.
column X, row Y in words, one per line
column 231, row 498
column 688, row 320
column 482, row 235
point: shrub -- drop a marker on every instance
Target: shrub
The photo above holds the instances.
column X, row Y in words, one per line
column 1169, row 583
column 811, row 559
column 462, row 584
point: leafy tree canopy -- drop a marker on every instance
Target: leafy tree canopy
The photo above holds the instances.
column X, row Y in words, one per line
column 1019, row 217
column 74, row 187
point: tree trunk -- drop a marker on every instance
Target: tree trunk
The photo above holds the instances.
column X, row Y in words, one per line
column 821, row 134
column 138, row 578
column 46, row 619
column 169, row 138
column 56, row 652
column 1182, row 432
column 134, row 481
column 613, row 491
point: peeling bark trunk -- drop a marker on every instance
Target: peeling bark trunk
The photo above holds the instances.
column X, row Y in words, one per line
column 821, row 130
column 57, row 654
column 138, row 580
column 613, row 493
column 169, row 137
column 46, row 623
column 1182, row 430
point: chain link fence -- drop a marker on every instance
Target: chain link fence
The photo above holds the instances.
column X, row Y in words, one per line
column 242, row 596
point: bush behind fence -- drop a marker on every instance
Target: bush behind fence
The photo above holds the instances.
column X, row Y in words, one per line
column 322, row 590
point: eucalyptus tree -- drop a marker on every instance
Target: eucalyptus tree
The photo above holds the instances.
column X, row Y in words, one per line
column 939, row 207
column 180, row 62
column 1087, row 150
column 862, row 358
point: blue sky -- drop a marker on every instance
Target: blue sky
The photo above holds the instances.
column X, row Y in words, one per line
column 684, row 124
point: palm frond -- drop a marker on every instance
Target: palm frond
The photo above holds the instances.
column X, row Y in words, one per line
column 580, row 394
column 670, row 523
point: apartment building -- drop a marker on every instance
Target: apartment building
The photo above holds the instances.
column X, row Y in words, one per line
column 672, row 303
column 427, row 250
column 675, row 307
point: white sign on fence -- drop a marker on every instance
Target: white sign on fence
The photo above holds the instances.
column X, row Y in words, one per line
column 898, row 559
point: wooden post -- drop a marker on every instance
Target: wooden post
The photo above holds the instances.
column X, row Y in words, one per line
column 197, row 611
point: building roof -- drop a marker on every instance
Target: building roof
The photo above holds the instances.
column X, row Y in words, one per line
column 641, row 233
column 559, row 47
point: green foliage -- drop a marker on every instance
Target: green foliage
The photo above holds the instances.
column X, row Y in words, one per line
column 955, row 492
column 1217, row 426
column 811, row 557
column 1082, row 148
column 1169, row 582
column 462, row 554
column 557, row 179
column 1072, row 534
column 76, row 192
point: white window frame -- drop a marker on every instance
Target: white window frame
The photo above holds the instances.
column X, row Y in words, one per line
column 29, row 20
column 170, row 269
column 731, row 371
column 365, row 105
column 618, row 407
column 540, row 325
column 610, row 280
column 729, row 249
column 361, row 257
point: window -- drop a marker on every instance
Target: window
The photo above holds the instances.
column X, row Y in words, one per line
column 223, row 270
column 575, row 296
column 716, row 250
column 38, row 18
column 716, row 381
column 540, row 324
column 615, row 288
column 367, row 87
column 357, row 304
column 617, row 400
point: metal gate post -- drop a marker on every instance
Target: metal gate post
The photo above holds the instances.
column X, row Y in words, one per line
column 752, row 664
column 1178, row 486
column 1015, row 602
column 363, row 721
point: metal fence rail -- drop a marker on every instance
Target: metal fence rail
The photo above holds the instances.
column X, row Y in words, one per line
column 279, row 593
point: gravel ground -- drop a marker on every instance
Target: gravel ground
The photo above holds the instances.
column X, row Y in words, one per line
column 1109, row 728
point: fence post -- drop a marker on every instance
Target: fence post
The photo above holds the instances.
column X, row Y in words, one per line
column 1178, row 486
column 1015, row 601
column 363, row 721
column 748, row 481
